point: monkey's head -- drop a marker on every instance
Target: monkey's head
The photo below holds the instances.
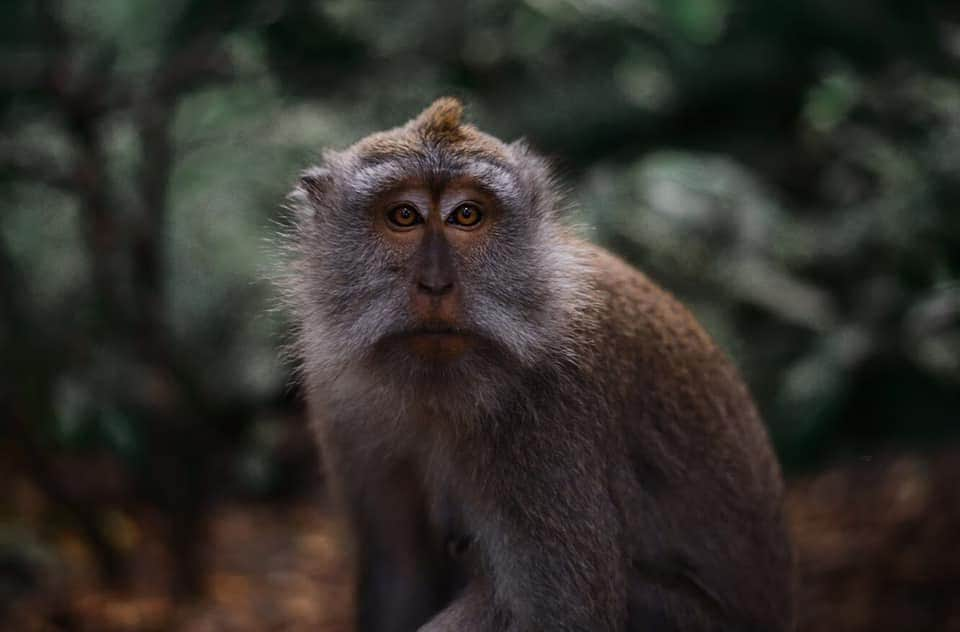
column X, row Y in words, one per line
column 431, row 252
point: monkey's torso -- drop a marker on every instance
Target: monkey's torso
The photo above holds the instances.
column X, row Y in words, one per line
column 642, row 460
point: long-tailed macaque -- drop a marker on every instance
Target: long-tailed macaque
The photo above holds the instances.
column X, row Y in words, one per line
column 523, row 432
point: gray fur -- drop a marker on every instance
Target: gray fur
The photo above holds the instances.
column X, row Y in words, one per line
column 598, row 452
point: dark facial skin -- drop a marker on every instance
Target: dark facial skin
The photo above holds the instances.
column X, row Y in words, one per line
column 432, row 231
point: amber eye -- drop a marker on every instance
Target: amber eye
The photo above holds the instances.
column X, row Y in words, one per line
column 466, row 215
column 404, row 216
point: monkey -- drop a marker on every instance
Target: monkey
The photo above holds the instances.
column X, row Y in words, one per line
column 521, row 431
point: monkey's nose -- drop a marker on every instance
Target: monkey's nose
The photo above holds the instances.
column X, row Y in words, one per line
column 435, row 287
column 435, row 276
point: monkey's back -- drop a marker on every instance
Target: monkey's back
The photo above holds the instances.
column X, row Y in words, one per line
column 703, row 495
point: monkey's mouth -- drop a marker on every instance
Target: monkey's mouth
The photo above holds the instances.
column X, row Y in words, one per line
column 437, row 342
column 435, row 330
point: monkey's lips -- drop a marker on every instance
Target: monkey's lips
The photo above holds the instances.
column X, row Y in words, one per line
column 437, row 343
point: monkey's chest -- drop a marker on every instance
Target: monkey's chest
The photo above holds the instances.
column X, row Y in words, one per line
column 451, row 534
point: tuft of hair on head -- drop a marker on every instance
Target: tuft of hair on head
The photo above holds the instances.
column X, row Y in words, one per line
column 441, row 119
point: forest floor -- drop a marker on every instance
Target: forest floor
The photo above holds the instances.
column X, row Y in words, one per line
column 878, row 549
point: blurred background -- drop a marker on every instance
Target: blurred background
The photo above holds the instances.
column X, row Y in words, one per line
column 790, row 170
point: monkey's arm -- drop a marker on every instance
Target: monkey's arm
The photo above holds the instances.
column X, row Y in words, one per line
column 547, row 538
column 398, row 576
column 401, row 576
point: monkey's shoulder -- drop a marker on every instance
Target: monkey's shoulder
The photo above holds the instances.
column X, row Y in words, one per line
column 665, row 367
column 638, row 315
column 696, row 440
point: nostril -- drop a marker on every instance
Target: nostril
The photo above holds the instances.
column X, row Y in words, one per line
column 436, row 289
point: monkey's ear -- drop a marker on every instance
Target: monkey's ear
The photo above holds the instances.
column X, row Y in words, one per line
column 311, row 194
column 315, row 184
column 315, row 181
column 521, row 148
column 534, row 164
column 539, row 175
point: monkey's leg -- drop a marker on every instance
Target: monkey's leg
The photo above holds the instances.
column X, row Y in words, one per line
column 655, row 605
column 663, row 604
column 469, row 611
column 670, row 603
column 401, row 574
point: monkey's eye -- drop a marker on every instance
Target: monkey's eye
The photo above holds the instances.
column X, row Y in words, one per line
column 466, row 215
column 404, row 216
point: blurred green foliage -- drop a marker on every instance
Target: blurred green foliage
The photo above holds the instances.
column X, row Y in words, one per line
column 791, row 170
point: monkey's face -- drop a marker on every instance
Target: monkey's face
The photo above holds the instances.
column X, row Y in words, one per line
column 439, row 241
column 430, row 274
column 423, row 260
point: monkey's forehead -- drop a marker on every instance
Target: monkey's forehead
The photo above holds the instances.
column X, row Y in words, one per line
column 433, row 148
column 435, row 172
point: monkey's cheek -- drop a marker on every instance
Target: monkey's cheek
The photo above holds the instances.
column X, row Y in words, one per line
column 441, row 347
